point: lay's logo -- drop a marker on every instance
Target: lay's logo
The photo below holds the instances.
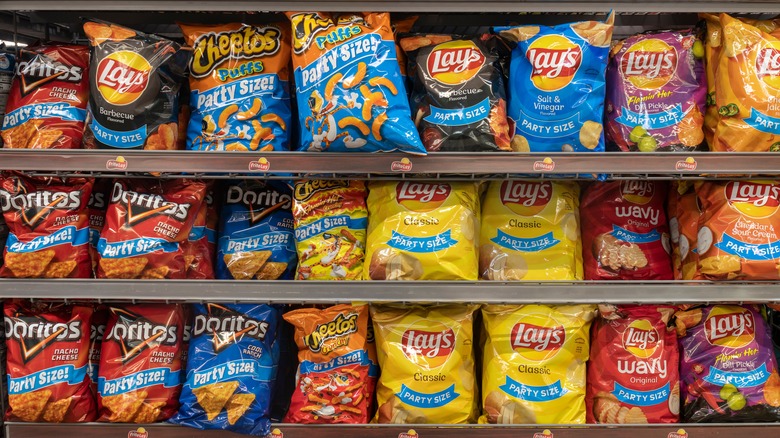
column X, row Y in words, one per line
column 754, row 199
column 455, row 62
column 555, row 60
column 122, row 77
column 730, row 327
column 637, row 192
column 526, row 198
column 768, row 64
column 418, row 196
column 641, row 339
column 649, row 64
column 428, row 347
column 537, row 338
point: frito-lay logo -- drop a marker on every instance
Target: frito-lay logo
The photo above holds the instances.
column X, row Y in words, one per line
column 34, row 208
column 276, row 433
column 526, row 198
column 138, row 433
column 641, row 339
column 305, row 27
column 554, row 60
column 259, row 199
column 753, row 198
column 537, row 337
column 417, row 196
column 34, row 334
column 135, row 334
column 455, row 62
column 307, row 189
column 730, row 327
column 41, row 69
column 116, row 164
column 546, row 165
column 409, row 434
column 681, row 433
column 649, row 64
column 262, row 165
column 768, row 64
column 340, row 327
column 227, row 326
column 687, row 164
column 431, row 347
column 402, row 165
column 547, row 433
column 122, row 77
column 637, row 192
column 143, row 206
column 248, row 42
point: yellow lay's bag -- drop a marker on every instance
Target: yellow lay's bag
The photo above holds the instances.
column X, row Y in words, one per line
column 422, row 231
column 531, row 231
column 534, row 363
column 427, row 362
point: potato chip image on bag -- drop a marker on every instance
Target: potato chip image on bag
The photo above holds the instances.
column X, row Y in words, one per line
column 426, row 354
column 422, row 231
column 530, row 230
column 534, row 360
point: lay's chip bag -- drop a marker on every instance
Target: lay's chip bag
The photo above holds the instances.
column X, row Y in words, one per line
column 351, row 96
column 422, row 231
column 556, row 85
column 239, row 90
column 231, row 368
column 427, row 358
column 530, row 230
column 534, row 363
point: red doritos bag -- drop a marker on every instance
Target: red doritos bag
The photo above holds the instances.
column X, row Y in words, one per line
column 140, row 363
column 201, row 245
column 96, row 209
column 47, row 220
column 146, row 222
column 48, row 348
column 98, row 330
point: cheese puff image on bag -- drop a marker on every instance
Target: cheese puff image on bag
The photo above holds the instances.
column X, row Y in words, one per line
column 351, row 96
column 533, row 369
column 427, row 361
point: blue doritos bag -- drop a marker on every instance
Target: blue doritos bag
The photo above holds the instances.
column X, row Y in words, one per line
column 351, row 96
column 256, row 238
column 557, row 85
column 231, row 368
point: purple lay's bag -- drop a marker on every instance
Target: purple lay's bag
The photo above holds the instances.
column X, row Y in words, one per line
column 728, row 368
column 656, row 89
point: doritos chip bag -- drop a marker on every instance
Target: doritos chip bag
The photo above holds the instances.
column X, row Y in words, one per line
column 146, row 222
column 231, row 368
column 201, row 245
column 422, row 231
column 96, row 209
column 134, row 87
column 556, row 85
column 427, row 360
column 458, row 96
column 140, row 363
column 533, row 368
column 632, row 374
column 531, row 231
column 624, row 231
column 256, row 237
column 656, row 92
column 48, row 349
column 728, row 369
column 350, row 91
column 47, row 220
column 239, row 91
column 333, row 371
column 97, row 331
column 47, row 103
column 330, row 229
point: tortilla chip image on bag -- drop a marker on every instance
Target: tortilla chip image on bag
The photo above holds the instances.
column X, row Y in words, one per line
column 422, row 231
column 426, row 354
column 351, row 96
column 632, row 374
column 530, row 230
column 533, row 369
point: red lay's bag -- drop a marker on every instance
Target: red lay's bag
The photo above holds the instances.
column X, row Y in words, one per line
column 140, row 363
column 201, row 245
column 48, row 348
column 624, row 231
column 632, row 374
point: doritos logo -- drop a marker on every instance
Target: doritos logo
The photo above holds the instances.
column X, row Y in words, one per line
column 248, row 42
column 261, row 203
column 342, row 326
column 41, row 69
column 637, row 192
column 768, row 64
column 432, row 347
column 641, row 339
column 537, row 337
column 34, row 334
column 305, row 27
column 307, row 189
column 418, row 196
column 227, row 326
column 730, row 327
column 526, row 198
column 122, row 77
column 35, row 207
column 649, row 63
column 555, row 60
column 753, row 199
column 96, row 332
column 455, row 62
column 135, row 334
column 142, row 206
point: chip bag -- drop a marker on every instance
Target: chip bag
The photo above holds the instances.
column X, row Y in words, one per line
column 134, row 87
column 233, row 358
column 427, row 360
column 534, row 359
column 422, row 231
column 239, row 89
column 201, row 245
column 140, row 363
column 349, row 86
column 556, row 85
column 97, row 331
column 330, row 229
column 458, row 96
column 530, row 230
column 47, row 102
column 332, row 379
column 256, row 232
column 684, row 213
column 633, row 375
column 96, row 209
column 146, row 222
column 625, row 234
column 728, row 369
column 48, row 228
column 48, row 350
column 656, row 92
